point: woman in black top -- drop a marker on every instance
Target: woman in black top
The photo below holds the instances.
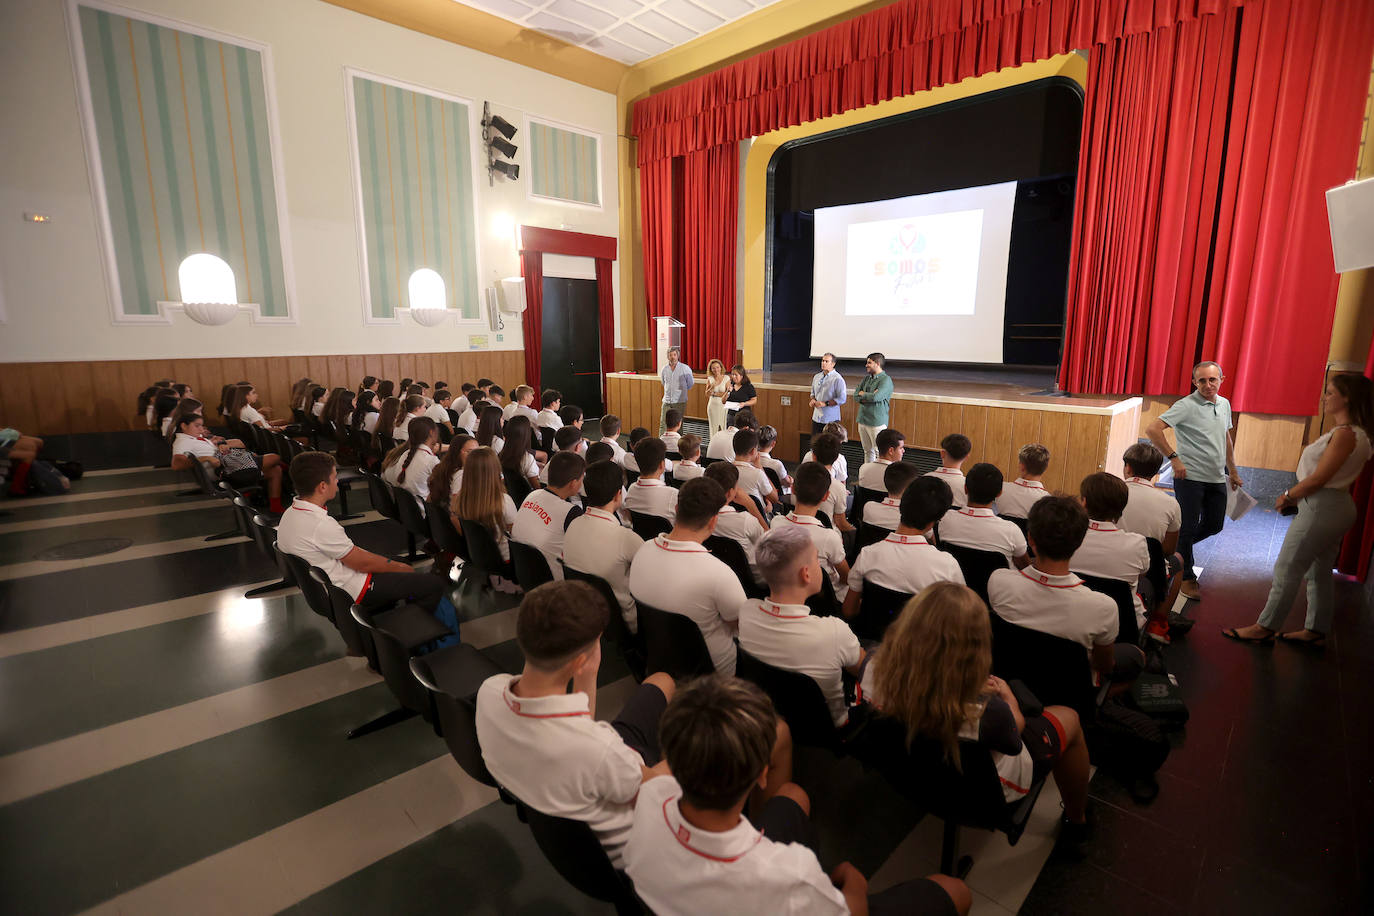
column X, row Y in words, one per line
column 741, row 391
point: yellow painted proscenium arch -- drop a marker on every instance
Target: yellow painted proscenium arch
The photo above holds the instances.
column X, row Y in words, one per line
column 1073, row 66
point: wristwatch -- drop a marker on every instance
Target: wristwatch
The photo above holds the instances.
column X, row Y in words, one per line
column 1171, row 456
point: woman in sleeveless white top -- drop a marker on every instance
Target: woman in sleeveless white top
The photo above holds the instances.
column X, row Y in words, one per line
column 717, row 387
column 1326, row 470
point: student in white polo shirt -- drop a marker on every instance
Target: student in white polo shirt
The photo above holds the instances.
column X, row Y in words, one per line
column 744, row 528
column 409, row 466
column 954, row 450
column 675, row 573
column 672, row 433
column 1046, row 596
column 564, row 441
column 571, row 415
column 691, row 850
column 438, row 411
column 689, row 447
column 308, row 531
column 977, row 526
column 891, row 446
column 810, row 490
column 905, row 561
column 1018, row 496
column 752, row 481
column 887, row 512
column 649, row 495
column 839, row 468
column 598, row 543
column 768, row 438
column 636, row 436
column 722, row 444
column 1150, row 511
column 545, row 514
column 414, row 406
column 780, row 630
column 544, row 745
column 825, row 451
column 550, row 402
column 610, row 434
column 1110, row 551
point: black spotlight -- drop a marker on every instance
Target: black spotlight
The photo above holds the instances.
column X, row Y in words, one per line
column 496, row 134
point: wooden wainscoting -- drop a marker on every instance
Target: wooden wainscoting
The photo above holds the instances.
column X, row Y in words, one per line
column 87, row 397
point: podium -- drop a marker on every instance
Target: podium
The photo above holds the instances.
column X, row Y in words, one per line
column 667, row 333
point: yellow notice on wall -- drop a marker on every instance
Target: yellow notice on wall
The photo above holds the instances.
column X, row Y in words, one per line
column 477, row 341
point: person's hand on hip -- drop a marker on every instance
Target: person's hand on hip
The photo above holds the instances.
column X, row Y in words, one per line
column 1180, row 472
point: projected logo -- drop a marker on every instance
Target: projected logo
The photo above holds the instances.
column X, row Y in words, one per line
column 920, row 265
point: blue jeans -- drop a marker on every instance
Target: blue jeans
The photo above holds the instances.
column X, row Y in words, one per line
column 1203, row 507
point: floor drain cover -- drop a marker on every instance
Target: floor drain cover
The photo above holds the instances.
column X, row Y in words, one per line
column 80, row 550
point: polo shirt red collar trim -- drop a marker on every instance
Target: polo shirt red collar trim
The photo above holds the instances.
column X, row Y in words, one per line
column 1029, row 484
column 560, row 706
column 305, row 505
column 726, row 847
column 727, row 509
column 649, row 482
column 796, row 519
column 426, row 448
column 977, row 513
column 1045, row 579
column 784, row 611
column 662, row 543
column 1141, row 481
column 950, row 472
column 917, row 540
column 602, row 514
column 893, row 501
column 1103, row 526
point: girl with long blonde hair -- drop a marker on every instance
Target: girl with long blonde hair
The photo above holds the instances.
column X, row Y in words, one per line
column 933, row 674
column 717, row 390
column 483, row 498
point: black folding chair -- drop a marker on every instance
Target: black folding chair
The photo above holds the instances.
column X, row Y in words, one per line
column 648, row 526
column 672, row 643
column 453, row 676
column 862, row 497
column 483, row 551
column 729, row 552
column 1055, row 669
column 516, row 485
column 200, row 472
column 630, row 646
column 412, row 518
column 870, row 534
column 878, row 607
column 531, row 566
column 575, row 852
column 1128, row 629
column 264, row 533
column 398, row 634
column 824, row 603
column 976, row 565
column 797, row 698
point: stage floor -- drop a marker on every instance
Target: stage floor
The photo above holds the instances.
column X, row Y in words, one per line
column 990, row 383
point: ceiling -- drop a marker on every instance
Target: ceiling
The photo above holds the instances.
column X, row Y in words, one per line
column 625, row 30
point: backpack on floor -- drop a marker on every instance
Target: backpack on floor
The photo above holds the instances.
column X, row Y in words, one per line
column 72, row 470
column 1160, row 697
column 46, row 480
column 1125, row 742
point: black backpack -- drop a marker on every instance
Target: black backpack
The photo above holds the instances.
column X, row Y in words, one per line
column 1126, row 742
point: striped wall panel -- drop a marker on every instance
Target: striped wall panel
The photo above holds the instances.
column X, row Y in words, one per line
column 415, row 175
column 182, row 129
column 564, row 164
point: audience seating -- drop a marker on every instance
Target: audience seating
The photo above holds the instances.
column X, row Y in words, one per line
column 384, row 501
column 315, row 588
column 976, row 565
column 648, row 526
column 545, row 443
column 264, row 534
column 484, row 553
column 452, row 676
column 1055, row 669
column 412, row 518
column 531, row 566
column 729, row 552
column 1158, row 574
column 776, row 481
column 672, row 643
column 1019, row 522
column 824, row 603
column 630, row 646
column 878, row 606
column 517, row 486
column 1128, row 629
column 446, row 535
column 870, row 534
column 221, row 490
column 398, row 634
column 574, row 851
column 797, row 698
column 862, row 497
column 824, row 519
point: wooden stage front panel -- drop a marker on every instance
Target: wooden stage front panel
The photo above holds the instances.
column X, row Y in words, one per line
column 1083, row 435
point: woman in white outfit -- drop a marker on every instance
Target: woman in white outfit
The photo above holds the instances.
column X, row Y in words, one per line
column 717, row 388
column 1326, row 470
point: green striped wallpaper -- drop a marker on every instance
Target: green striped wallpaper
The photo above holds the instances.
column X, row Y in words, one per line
column 182, row 128
column 564, row 164
column 415, row 168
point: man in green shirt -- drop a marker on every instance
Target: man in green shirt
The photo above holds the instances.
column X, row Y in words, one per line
column 873, row 394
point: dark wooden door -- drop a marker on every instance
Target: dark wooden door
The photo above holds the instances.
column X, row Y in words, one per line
column 570, row 360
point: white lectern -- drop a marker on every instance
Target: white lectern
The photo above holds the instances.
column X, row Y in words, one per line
column 667, row 333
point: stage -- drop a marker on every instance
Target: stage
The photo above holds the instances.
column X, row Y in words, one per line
column 999, row 410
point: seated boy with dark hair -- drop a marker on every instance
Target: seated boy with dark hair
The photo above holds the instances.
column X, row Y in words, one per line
column 905, row 561
column 550, row 402
column 600, row 451
column 1149, row 510
column 752, row 480
column 610, row 434
column 672, row 429
column 544, row 745
column 887, row 512
column 649, row 494
column 689, row 447
column 637, row 435
column 954, row 449
column 546, row 513
column 1112, row 552
column 692, row 851
column 744, row 528
column 567, row 439
column 977, row 526
column 825, row 450
column 891, row 446
column 810, row 489
column 1017, row 497
column 598, row 543
column 570, row 415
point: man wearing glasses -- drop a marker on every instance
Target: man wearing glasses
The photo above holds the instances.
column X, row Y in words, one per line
column 1203, row 461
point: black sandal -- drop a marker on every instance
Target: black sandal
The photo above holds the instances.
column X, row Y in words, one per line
column 1316, row 642
column 1232, row 633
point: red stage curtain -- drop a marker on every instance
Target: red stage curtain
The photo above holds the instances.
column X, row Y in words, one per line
column 706, row 265
column 532, row 322
column 606, row 313
column 656, row 222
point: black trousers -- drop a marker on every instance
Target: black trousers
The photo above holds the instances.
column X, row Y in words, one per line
column 385, row 589
column 1203, row 507
column 816, row 429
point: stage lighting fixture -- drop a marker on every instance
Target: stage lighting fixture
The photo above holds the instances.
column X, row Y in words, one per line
column 496, row 134
column 505, row 127
column 510, row 169
column 504, row 148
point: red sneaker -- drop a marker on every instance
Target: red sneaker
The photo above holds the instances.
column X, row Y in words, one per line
column 1158, row 630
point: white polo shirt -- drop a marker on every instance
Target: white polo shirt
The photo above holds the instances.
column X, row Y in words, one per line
column 839, row 470
column 753, row 481
column 722, row 445
column 549, row 418
column 981, row 529
column 1111, row 552
column 200, row 446
column 311, row 533
column 1058, row 605
column 886, row 513
column 1019, row 495
column 687, row 470
column 651, row 496
column 955, row 478
column 467, row 419
column 671, row 440
column 742, row 528
column 1150, row 511
column 512, row 409
column 614, row 443
column 836, row 502
column 370, row 421
column 787, row 636
column 552, row 755
column 829, row 546
column 250, row 416
column 777, row 467
column 904, row 563
column 680, row 870
column 597, row 543
column 682, row 577
column 541, row 522
column 871, row 474
column 417, row 475
column 438, row 413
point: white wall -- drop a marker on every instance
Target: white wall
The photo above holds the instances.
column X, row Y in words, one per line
column 52, row 284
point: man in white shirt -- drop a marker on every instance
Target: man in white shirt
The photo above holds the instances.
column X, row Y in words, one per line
column 550, row 402
column 675, row 573
column 689, row 447
column 1111, row 552
column 438, row 411
column 954, row 450
column 906, row 561
column 596, row 541
column 1150, row 511
column 1046, row 596
column 649, row 495
column 887, row 512
column 677, row 384
column 977, row 526
column 828, row 392
column 744, row 528
column 544, row 745
column 891, row 446
column 1017, row 497
column 810, row 489
column 308, row 531
column 545, row 514
column 752, row 481
column 780, row 630
column 610, row 434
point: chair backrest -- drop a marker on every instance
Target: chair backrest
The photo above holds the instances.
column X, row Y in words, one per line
column 824, row 519
column 878, row 607
column 673, row 643
column 314, row 593
column 648, row 526
column 1127, row 629
column 262, row 536
column 1055, row 669
column 483, row 551
column 382, row 499
column 824, row 603
column 455, row 702
column 729, row 552
column 870, row 534
column 518, row 487
column 976, row 565
column 200, row 473
column 444, row 532
column 774, row 479
column 575, row 852
column 630, row 646
column 862, row 497
column 531, row 566
column 546, row 439
column 1159, row 569
column 411, row 515
column 797, row 698
column 358, row 640
column 1019, row 522
column 393, row 660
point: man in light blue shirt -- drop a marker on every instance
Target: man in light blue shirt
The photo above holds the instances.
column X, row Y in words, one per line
column 1203, row 462
column 677, row 382
column 827, row 394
